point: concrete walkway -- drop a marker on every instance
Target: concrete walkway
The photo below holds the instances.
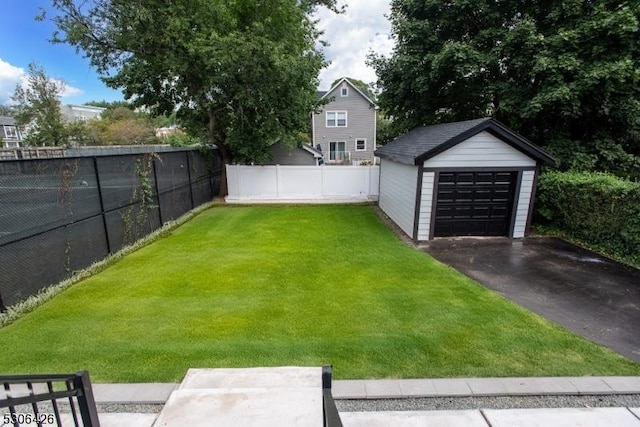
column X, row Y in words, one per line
column 398, row 389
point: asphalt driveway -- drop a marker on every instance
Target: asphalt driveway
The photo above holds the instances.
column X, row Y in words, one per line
column 578, row 289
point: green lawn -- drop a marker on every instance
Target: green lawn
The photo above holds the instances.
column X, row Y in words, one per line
column 270, row 286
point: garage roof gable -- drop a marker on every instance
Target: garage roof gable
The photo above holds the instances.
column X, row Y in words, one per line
column 422, row 143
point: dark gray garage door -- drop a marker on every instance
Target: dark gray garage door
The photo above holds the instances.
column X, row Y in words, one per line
column 474, row 203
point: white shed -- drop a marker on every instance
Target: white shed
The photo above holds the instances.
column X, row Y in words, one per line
column 471, row 178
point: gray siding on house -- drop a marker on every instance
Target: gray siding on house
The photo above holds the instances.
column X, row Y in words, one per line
column 290, row 156
column 398, row 183
column 361, row 123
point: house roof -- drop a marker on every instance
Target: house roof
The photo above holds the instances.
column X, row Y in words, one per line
column 316, row 153
column 422, row 143
column 7, row 120
column 344, row 79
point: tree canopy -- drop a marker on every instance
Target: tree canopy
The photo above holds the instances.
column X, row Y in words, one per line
column 244, row 72
column 564, row 74
column 37, row 109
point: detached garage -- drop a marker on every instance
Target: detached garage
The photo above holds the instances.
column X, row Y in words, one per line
column 471, row 178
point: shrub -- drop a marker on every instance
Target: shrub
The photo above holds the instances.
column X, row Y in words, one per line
column 597, row 208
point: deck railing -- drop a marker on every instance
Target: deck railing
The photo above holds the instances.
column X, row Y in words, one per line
column 331, row 415
column 46, row 400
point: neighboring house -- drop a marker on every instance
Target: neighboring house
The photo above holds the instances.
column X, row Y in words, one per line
column 471, row 178
column 9, row 132
column 345, row 128
column 305, row 155
column 81, row 112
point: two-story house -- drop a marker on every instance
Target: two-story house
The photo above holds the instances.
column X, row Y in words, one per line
column 10, row 135
column 345, row 128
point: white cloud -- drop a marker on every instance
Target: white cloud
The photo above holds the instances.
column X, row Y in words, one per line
column 363, row 28
column 11, row 76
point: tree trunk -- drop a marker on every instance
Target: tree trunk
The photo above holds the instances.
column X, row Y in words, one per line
column 218, row 139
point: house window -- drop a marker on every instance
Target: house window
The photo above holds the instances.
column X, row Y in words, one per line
column 361, row 144
column 344, row 90
column 336, row 119
column 336, row 150
column 11, row 132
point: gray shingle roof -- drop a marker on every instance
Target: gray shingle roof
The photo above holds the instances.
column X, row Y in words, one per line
column 7, row 120
column 422, row 143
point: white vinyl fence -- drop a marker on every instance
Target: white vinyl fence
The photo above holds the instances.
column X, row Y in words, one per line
column 250, row 184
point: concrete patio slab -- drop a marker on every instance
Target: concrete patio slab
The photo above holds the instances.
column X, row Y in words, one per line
column 243, row 407
column 279, row 377
column 635, row 411
column 106, row 420
column 125, row 419
column 413, row 419
column 563, row 417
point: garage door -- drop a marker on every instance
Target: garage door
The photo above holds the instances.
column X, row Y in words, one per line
column 474, row 203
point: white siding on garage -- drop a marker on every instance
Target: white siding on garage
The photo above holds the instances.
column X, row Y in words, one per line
column 481, row 150
column 522, row 210
column 426, row 204
column 398, row 184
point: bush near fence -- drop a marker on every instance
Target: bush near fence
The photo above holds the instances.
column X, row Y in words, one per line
column 596, row 208
column 60, row 215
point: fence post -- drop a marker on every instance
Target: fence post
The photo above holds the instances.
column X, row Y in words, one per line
column 187, row 153
column 155, row 179
column 277, row 181
column 102, row 212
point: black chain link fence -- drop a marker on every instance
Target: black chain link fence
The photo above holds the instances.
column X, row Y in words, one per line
column 61, row 215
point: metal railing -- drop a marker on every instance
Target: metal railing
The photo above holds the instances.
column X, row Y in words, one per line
column 331, row 415
column 44, row 400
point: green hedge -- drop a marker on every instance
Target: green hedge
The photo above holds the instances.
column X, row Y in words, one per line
column 597, row 208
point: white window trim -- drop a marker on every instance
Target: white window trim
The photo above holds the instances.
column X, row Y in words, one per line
column 335, row 113
column 365, row 144
column 344, row 90
column 14, row 129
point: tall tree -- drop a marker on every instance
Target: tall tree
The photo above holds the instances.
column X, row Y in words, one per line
column 243, row 72
column 38, row 109
column 565, row 74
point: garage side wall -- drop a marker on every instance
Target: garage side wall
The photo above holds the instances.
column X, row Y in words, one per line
column 398, row 184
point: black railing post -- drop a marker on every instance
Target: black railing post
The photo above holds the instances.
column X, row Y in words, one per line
column 86, row 402
column 329, row 409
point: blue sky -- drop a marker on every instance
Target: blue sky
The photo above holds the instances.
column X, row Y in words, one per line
column 363, row 28
column 24, row 40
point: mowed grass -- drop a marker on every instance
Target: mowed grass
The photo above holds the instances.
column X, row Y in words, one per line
column 272, row 286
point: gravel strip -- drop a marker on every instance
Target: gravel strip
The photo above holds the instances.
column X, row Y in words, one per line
column 420, row 404
column 488, row 402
